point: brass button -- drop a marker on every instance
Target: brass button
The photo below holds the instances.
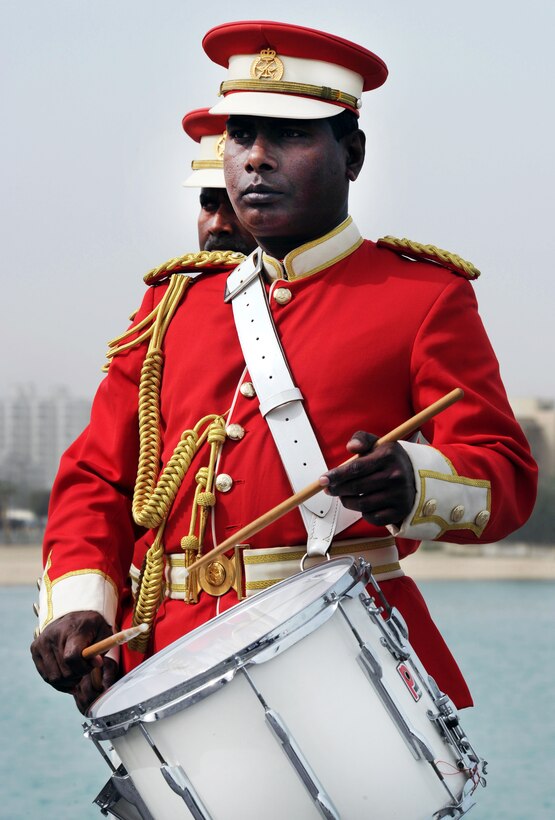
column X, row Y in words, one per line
column 36, row 633
column 39, row 583
column 429, row 507
column 457, row 513
column 247, row 390
column 235, row 432
column 482, row 518
column 224, row 482
column 282, row 296
column 36, row 609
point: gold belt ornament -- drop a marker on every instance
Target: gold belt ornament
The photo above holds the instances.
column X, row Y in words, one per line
column 215, row 578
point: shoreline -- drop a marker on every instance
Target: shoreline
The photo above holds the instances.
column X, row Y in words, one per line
column 21, row 565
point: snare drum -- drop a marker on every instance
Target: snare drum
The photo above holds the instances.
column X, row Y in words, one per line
column 301, row 702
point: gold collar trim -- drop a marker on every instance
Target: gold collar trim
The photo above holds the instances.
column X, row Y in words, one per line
column 314, row 256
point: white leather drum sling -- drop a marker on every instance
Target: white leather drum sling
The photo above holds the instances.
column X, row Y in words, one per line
column 301, row 702
column 281, row 403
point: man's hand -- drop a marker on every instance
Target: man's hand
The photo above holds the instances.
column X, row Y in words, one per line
column 379, row 483
column 94, row 684
column 57, row 650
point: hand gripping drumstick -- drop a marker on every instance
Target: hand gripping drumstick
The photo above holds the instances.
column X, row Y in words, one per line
column 118, row 638
column 310, row 490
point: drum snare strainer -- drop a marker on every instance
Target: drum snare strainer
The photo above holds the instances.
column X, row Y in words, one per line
column 300, row 702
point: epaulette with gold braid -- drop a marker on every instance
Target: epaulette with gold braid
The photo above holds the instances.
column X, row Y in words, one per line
column 200, row 259
column 429, row 253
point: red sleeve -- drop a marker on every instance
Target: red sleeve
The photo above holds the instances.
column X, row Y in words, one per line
column 479, row 435
column 90, row 532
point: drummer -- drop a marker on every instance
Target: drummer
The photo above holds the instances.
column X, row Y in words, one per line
column 351, row 337
column 222, row 235
column 218, row 226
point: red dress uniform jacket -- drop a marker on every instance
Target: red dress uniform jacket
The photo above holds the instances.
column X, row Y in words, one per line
column 371, row 338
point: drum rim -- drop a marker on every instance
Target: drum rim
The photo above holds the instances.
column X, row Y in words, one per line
column 186, row 693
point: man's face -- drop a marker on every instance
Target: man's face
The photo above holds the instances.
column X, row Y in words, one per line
column 219, row 228
column 288, row 180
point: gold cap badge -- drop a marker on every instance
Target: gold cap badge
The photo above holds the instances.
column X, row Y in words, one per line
column 220, row 145
column 267, row 66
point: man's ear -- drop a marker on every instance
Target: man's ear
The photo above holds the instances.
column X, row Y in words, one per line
column 355, row 147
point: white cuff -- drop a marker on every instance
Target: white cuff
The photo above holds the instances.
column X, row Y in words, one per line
column 75, row 591
column 444, row 500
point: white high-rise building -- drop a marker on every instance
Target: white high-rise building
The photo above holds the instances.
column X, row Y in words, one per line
column 34, row 432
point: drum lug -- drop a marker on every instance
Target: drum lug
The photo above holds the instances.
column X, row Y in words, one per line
column 296, row 757
column 301, row 765
column 178, row 781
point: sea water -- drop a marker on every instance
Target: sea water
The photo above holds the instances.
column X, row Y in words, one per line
column 502, row 633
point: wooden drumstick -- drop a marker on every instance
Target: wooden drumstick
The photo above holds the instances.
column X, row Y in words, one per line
column 101, row 647
column 310, row 490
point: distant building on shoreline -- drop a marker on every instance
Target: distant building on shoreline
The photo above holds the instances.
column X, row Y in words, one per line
column 537, row 419
column 34, row 432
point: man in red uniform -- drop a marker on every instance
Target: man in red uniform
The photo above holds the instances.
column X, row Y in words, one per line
column 218, row 226
column 225, row 240
column 201, row 425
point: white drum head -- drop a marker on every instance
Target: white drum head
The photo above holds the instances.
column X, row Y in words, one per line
column 225, row 637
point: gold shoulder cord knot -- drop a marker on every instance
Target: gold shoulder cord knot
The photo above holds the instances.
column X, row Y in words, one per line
column 429, row 253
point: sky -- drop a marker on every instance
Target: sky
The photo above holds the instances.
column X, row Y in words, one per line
column 460, row 154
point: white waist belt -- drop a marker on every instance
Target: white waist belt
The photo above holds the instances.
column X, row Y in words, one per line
column 265, row 567
column 261, row 568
